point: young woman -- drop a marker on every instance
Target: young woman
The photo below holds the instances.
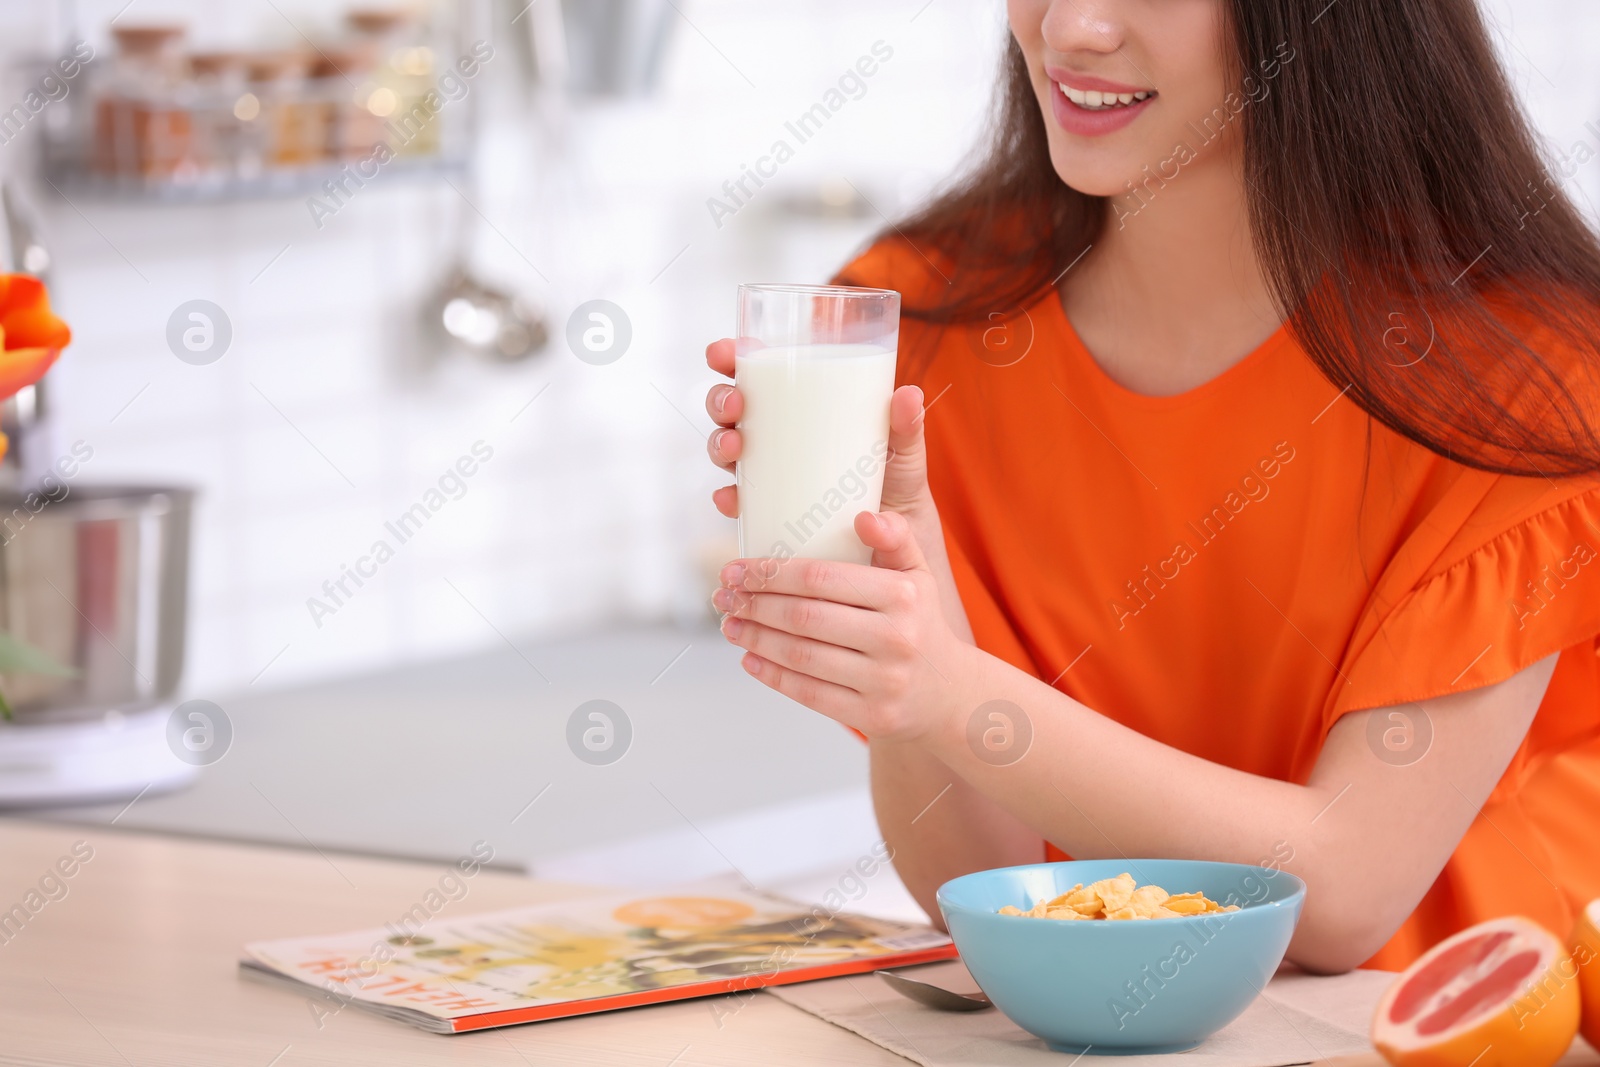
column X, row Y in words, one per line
column 1242, row 478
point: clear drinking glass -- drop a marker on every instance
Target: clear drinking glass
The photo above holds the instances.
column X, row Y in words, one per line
column 815, row 365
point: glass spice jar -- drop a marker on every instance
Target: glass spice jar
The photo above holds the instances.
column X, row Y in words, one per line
column 340, row 79
column 141, row 128
column 291, row 132
column 402, row 78
column 218, row 85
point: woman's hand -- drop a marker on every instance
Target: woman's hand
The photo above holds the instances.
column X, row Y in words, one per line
column 905, row 477
column 867, row 646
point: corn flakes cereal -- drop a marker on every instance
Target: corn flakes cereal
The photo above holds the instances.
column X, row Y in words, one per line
column 1114, row 893
column 1120, row 898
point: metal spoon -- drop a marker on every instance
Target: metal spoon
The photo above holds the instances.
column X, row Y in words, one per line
column 934, row 996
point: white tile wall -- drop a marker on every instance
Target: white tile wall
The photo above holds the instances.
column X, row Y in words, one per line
column 595, row 505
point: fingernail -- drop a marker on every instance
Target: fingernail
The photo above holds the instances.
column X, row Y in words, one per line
column 733, row 575
column 722, row 398
column 723, row 599
column 731, row 627
column 751, row 663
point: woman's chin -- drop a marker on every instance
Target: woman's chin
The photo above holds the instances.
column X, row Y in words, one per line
column 1093, row 182
column 1092, row 176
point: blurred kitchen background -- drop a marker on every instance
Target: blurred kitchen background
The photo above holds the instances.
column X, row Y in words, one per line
column 372, row 333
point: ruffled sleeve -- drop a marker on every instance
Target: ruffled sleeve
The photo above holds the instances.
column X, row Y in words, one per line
column 1502, row 573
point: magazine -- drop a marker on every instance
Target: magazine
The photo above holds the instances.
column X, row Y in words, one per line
column 572, row 957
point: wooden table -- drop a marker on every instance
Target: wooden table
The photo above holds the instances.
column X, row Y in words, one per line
column 136, row 966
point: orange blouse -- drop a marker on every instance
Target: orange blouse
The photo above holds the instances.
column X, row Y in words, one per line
column 1230, row 570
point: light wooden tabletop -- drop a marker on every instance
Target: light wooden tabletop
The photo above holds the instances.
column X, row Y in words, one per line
column 136, row 965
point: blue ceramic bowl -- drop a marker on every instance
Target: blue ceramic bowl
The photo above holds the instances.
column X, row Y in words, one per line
column 1130, row 986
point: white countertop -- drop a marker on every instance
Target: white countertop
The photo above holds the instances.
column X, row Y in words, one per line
column 424, row 760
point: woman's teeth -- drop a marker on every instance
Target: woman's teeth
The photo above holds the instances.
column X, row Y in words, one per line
column 1095, row 100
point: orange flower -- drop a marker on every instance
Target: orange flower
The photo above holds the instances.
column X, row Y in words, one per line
column 30, row 336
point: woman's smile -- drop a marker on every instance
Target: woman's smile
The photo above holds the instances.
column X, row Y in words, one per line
column 1095, row 94
column 1090, row 106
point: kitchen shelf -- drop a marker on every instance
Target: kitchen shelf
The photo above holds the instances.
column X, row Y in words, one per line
column 75, row 182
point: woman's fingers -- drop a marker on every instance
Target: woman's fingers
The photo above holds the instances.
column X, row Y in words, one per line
column 724, row 446
column 842, row 583
column 893, row 545
column 834, row 701
column 724, row 404
column 821, row 620
column 815, row 659
column 905, row 417
column 719, row 356
column 905, row 479
column 727, row 501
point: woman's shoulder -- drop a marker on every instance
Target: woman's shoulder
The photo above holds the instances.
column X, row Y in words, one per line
column 921, row 275
column 893, row 261
column 1558, row 324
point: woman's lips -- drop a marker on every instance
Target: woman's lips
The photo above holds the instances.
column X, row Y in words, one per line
column 1090, row 106
column 1063, row 76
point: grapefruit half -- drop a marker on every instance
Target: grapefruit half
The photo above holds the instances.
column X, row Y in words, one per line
column 1503, row 993
column 1586, row 954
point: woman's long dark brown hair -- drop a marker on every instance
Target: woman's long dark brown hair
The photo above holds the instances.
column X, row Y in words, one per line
column 1423, row 253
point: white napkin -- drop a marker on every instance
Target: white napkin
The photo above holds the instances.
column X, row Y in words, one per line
column 1298, row 1019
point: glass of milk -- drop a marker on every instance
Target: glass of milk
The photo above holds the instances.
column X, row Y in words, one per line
column 815, row 365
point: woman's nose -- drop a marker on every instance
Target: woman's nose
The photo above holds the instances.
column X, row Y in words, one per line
column 1096, row 26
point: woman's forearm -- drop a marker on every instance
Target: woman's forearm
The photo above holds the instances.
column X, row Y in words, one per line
column 1102, row 791
column 1368, row 841
column 1094, row 786
column 939, row 826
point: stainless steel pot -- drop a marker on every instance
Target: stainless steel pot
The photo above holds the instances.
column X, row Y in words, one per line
column 98, row 579
column 610, row 48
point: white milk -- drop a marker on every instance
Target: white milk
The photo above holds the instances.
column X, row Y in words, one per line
column 816, row 437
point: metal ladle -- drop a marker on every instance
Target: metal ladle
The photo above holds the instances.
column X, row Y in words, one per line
column 485, row 320
column 465, row 312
